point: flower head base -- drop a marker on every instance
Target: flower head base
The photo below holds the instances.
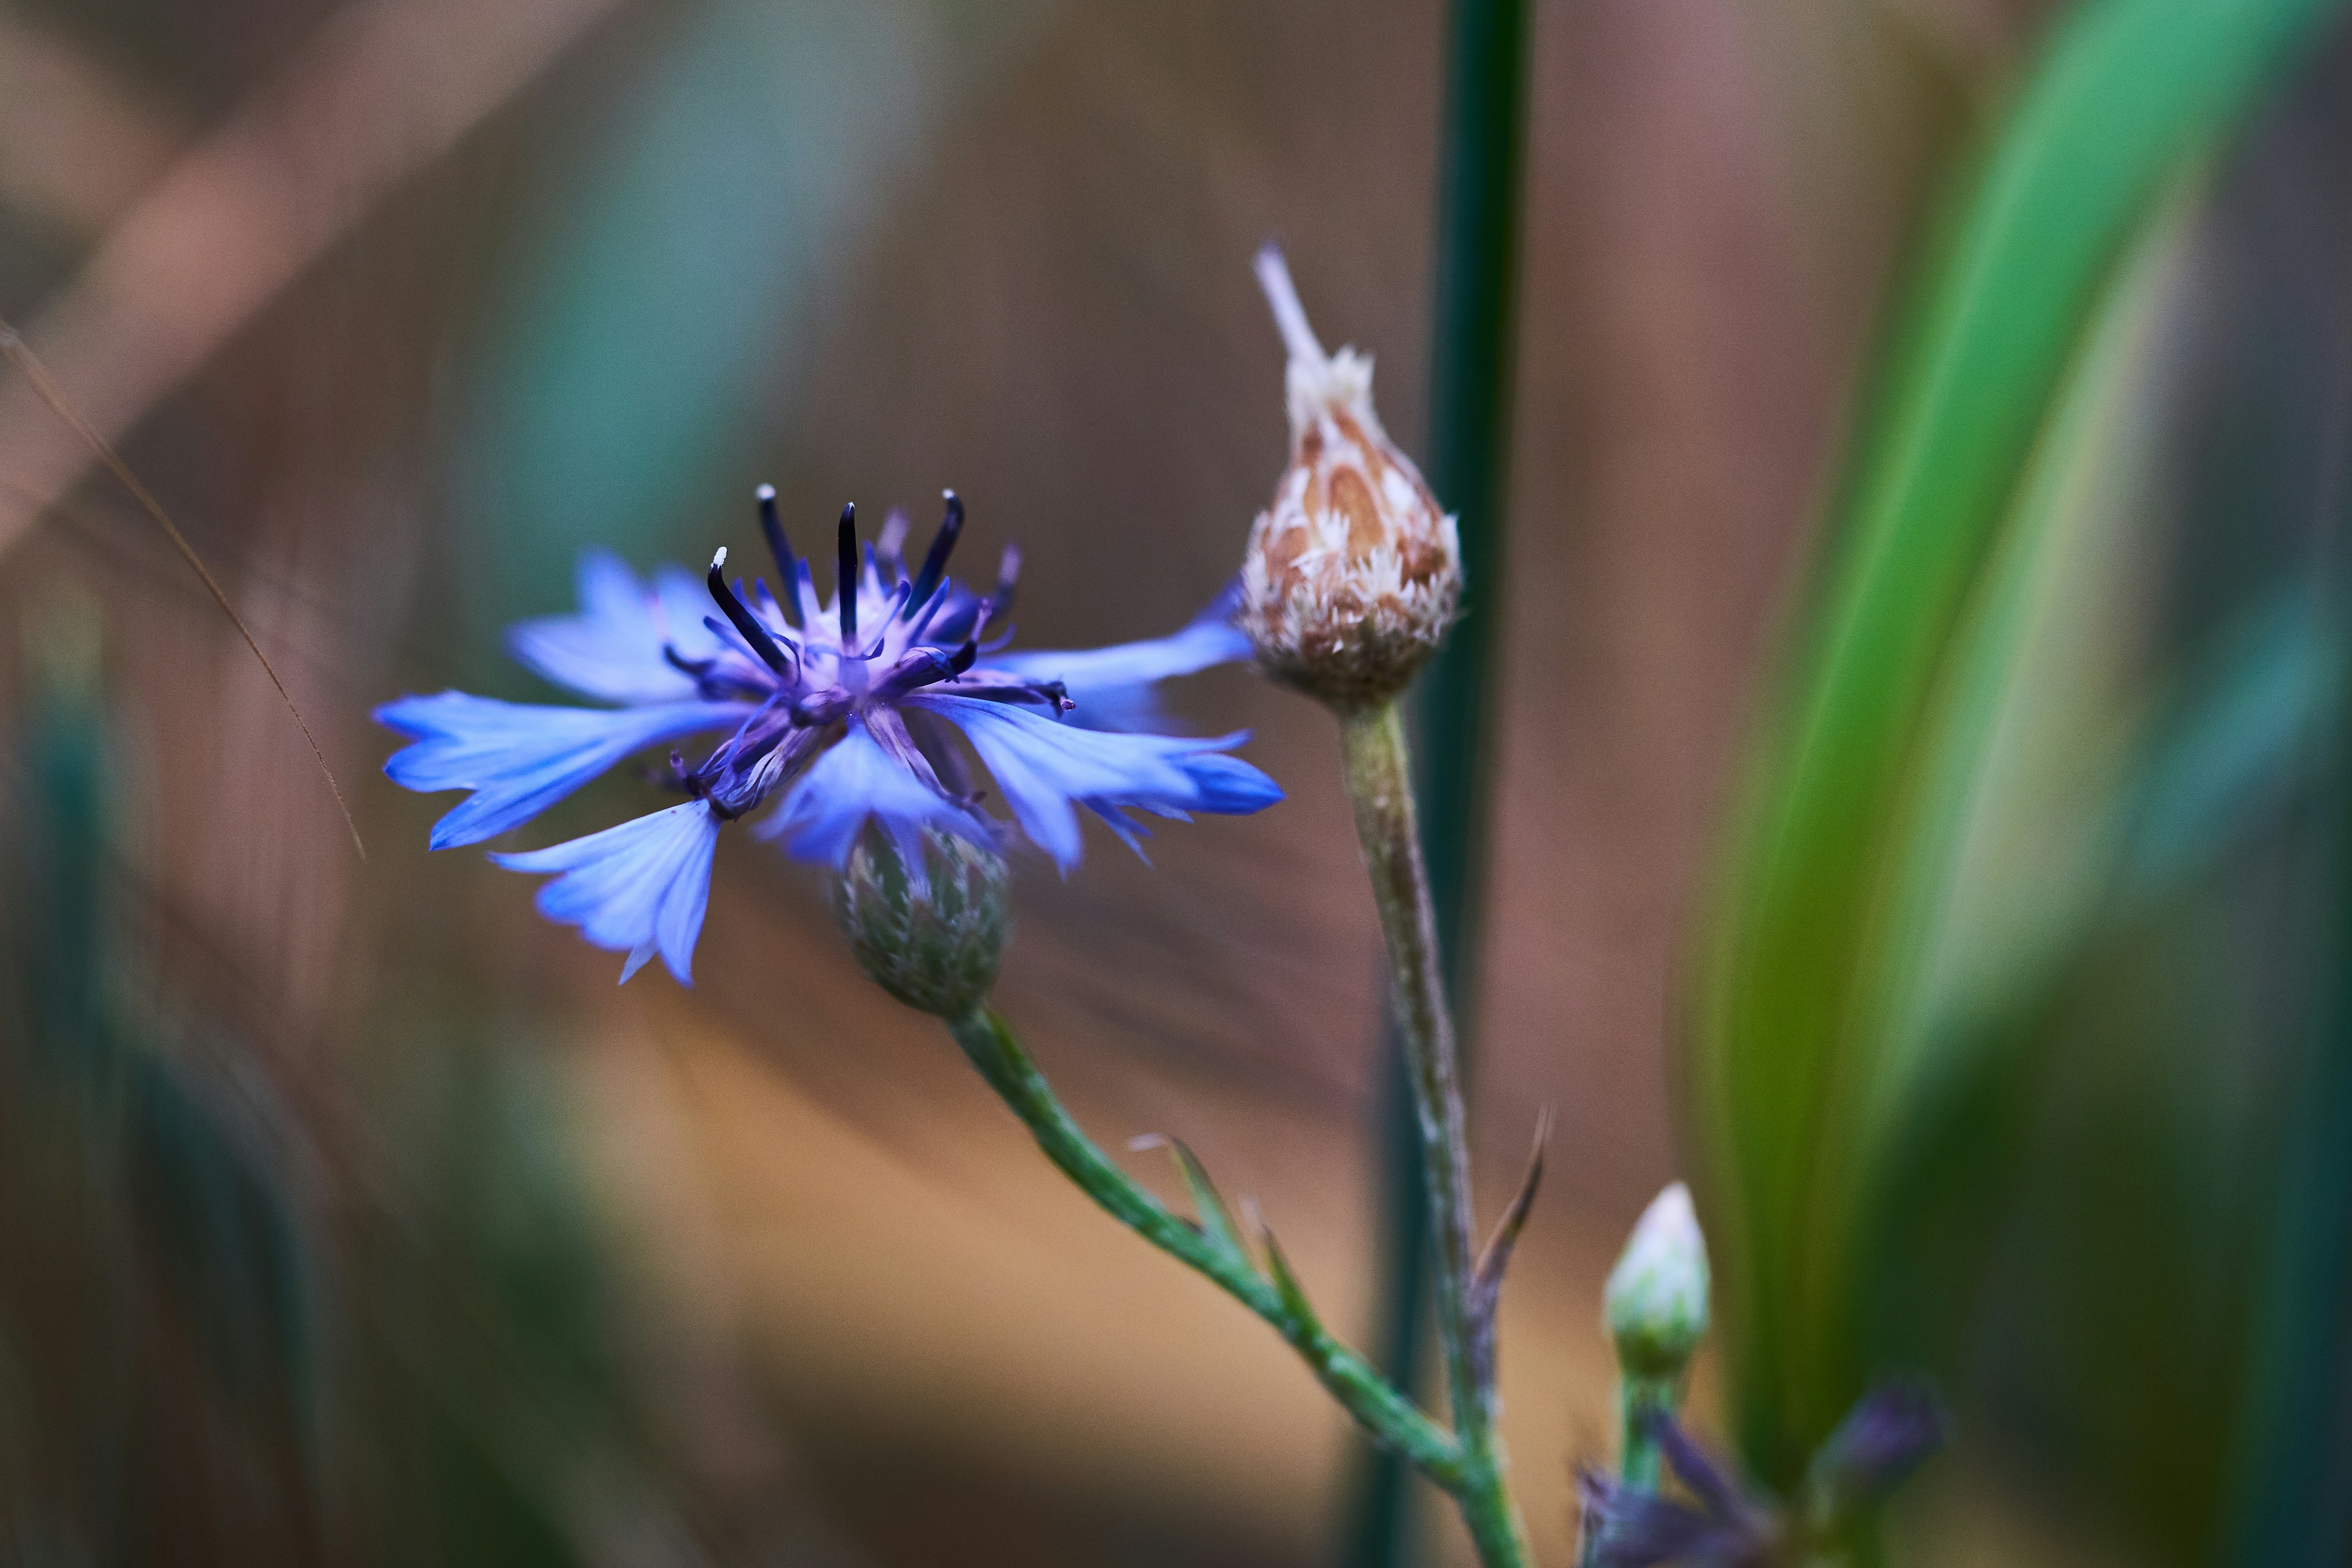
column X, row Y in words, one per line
column 1353, row 573
column 929, row 930
column 1655, row 1302
column 877, row 711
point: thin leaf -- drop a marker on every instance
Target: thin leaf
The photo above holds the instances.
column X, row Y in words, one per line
column 1294, row 1295
column 1213, row 1217
column 1487, row 1278
column 2128, row 95
column 12, row 345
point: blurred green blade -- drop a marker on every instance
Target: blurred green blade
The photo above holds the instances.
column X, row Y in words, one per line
column 2126, row 95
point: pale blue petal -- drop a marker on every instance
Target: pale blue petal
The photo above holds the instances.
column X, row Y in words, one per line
column 1131, row 832
column 638, row 888
column 522, row 758
column 1112, row 686
column 613, row 647
column 853, row 782
column 1044, row 767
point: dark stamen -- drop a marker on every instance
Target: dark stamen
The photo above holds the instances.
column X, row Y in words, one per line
column 772, row 525
column 745, row 622
column 943, row 544
column 920, row 611
column 844, row 579
column 784, row 644
column 697, row 667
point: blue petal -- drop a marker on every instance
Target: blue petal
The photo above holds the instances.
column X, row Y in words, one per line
column 855, row 781
column 522, row 758
column 1112, row 686
column 638, row 888
column 1044, row 766
column 613, row 647
column 1131, row 832
column 1231, row 787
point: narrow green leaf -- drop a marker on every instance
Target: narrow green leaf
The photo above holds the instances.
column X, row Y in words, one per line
column 1495, row 1259
column 1294, row 1295
column 1215, row 1221
column 2128, row 95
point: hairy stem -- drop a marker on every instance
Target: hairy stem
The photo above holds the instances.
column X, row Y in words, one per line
column 1380, row 783
column 1387, row 1414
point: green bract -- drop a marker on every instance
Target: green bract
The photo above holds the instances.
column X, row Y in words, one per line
column 934, row 944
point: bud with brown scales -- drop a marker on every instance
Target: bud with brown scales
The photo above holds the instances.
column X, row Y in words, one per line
column 1354, row 572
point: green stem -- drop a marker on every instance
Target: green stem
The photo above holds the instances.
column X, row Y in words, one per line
column 1380, row 783
column 1366, row 1395
column 1637, row 1398
column 1482, row 152
column 1638, row 1464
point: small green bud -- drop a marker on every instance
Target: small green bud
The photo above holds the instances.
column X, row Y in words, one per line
column 1655, row 1304
column 934, row 943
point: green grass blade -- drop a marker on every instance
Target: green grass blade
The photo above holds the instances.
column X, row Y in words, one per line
column 2127, row 94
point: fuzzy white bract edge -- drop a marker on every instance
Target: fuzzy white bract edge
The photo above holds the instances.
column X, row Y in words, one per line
column 1353, row 573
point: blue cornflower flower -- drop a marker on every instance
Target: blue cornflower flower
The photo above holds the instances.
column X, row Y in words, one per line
column 849, row 710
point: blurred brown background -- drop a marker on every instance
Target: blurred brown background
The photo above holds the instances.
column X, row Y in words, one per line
column 396, row 304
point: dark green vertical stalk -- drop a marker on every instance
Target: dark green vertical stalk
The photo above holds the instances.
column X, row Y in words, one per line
column 2294, row 1507
column 1470, row 368
column 2294, row 1480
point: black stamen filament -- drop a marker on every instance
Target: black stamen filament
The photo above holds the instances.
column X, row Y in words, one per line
column 697, row 667
column 844, row 585
column 745, row 622
column 771, row 524
column 943, row 544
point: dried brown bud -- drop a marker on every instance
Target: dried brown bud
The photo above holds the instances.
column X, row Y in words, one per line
column 1353, row 573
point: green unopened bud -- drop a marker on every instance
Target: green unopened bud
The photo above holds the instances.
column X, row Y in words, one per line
column 1656, row 1304
column 933, row 941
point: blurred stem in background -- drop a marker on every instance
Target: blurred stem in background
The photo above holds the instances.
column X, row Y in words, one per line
column 1478, row 255
column 2293, row 1487
column 2295, row 1501
column 237, row 1325
column 159, row 1281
